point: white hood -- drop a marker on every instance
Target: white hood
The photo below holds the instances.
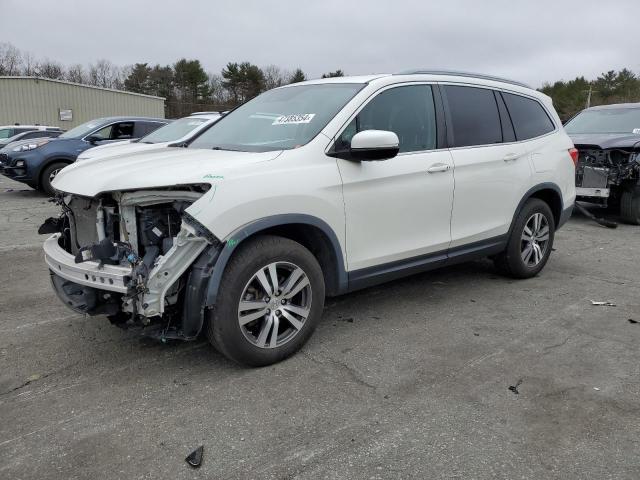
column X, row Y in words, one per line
column 162, row 167
column 106, row 149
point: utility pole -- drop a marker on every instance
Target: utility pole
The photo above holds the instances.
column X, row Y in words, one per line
column 589, row 92
column 589, row 96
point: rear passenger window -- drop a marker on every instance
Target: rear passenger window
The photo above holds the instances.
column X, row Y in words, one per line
column 474, row 115
column 407, row 111
column 529, row 118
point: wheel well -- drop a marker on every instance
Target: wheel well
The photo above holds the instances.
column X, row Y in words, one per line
column 46, row 165
column 551, row 198
column 318, row 243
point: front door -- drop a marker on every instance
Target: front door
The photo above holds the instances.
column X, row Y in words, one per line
column 399, row 208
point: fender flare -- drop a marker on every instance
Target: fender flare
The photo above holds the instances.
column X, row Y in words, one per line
column 246, row 231
column 529, row 193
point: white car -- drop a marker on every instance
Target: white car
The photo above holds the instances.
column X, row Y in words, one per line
column 312, row 189
column 176, row 132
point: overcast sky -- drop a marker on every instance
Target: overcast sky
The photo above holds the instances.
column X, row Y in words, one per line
column 532, row 41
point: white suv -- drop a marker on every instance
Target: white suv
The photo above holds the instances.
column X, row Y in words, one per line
column 312, row 189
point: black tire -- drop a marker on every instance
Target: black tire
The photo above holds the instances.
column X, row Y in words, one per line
column 510, row 262
column 45, row 177
column 222, row 326
column 630, row 206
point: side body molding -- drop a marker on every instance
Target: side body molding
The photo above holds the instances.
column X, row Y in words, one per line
column 262, row 224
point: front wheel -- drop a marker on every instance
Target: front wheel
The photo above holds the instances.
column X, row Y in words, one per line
column 269, row 302
column 47, row 176
column 530, row 242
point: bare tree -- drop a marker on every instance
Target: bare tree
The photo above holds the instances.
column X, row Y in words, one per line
column 29, row 65
column 274, row 76
column 76, row 74
column 50, row 69
column 10, row 59
column 103, row 74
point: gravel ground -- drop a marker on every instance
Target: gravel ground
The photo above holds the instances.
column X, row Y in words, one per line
column 405, row 380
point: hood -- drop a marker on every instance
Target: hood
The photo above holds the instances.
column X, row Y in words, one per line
column 111, row 149
column 606, row 140
column 163, row 167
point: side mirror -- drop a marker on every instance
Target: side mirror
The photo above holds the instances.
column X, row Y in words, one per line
column 93, row 139
column 374, row 145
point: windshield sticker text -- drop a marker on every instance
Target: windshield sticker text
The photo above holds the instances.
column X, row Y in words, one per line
column 294, row 118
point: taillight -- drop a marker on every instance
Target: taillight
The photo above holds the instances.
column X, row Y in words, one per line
column 574, row 156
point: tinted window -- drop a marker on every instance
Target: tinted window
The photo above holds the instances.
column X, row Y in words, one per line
column 35, row 134
column 408, row 111
column 145, row 128
column 474, row 115
column 528, row 117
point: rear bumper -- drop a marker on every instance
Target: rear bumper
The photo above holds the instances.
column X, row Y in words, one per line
column 113, row 278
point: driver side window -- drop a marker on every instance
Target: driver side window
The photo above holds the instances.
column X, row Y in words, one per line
column 408, row 111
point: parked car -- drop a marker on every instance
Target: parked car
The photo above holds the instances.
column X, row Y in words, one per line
column 8, row 131
column 608, row 141
column 312, row 189
column 175, row 133
column 37, row 162
column 27, row 133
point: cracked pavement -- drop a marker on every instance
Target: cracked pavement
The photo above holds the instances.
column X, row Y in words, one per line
column 405, row 380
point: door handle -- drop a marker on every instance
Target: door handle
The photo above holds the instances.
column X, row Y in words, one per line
column 510, row 157
column 438, row 167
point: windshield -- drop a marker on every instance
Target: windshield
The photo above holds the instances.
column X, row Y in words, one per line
column 609, row 120
column 279, row 119
column 174, row 130
column 82, row 130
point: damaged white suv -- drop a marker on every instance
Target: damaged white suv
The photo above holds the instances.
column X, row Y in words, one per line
column 312, row 189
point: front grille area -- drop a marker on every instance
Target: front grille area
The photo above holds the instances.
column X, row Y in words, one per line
column 4, row 159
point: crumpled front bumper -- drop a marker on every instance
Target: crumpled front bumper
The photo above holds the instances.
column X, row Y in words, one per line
column 114, row 278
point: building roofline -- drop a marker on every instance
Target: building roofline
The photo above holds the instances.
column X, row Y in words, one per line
column 22, row 77
column 454, row 73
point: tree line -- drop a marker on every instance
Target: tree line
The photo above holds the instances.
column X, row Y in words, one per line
column 187, row 87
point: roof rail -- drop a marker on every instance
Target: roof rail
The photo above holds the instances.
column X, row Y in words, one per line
column 462, row 74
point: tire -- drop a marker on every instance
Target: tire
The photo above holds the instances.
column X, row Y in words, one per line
column 521, row 258
column 246, row 308
column 47, row 175
column 630, row 206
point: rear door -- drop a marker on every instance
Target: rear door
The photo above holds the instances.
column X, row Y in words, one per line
column 400, row 208
column 490, row 167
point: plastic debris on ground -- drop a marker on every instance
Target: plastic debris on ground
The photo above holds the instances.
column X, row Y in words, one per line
column 195, row 458
column 602, row 304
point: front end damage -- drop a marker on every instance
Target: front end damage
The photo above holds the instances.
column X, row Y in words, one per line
column 136, row 257
column 603, row 173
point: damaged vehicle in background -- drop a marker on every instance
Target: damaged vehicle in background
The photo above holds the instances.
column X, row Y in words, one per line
column 311, row 189
column 174, row 134
column 608, row 172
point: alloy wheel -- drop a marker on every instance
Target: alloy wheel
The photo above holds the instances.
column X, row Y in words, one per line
column 534, row 240
column 274, row 304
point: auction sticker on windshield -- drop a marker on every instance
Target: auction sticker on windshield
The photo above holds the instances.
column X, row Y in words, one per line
column 294, row 118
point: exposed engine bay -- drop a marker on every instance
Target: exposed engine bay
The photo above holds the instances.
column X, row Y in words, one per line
column 601, row 173
column 130, row 256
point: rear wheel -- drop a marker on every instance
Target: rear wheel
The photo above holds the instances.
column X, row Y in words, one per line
column 269, row 302
column 47, row 176
column 530, row 243
column 630, row 206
